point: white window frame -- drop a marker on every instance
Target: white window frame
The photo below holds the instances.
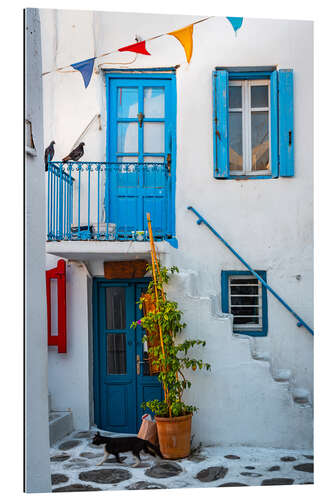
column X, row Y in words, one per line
column 247, row 326
column 246, row 110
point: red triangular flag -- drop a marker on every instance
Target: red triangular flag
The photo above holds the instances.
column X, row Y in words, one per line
column 140, row 48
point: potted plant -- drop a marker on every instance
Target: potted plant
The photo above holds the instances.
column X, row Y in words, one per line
column 171, row 355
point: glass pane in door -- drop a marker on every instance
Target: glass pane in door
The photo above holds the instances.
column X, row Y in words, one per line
column 116, row 353
column 127, row 137
column 127, row 102
column 153, row 101
column 115, row 304
column 153, row 137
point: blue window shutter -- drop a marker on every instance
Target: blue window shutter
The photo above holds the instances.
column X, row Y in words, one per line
column 286, row 122
column 220, row 124
column 274, row 125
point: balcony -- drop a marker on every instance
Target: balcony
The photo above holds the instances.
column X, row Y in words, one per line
column 105, row 201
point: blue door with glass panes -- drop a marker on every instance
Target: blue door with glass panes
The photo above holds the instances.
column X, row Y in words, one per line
column 141, row 146
column 121, row 368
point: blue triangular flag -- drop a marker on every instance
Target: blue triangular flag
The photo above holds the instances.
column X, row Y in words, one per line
column 236, row 22
column 86, row 68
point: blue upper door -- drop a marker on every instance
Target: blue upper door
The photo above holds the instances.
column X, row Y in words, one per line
column 121, row 369
column 140, row 144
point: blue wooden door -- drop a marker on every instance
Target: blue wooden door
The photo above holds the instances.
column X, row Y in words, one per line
column 140, row 139
column 121, row 376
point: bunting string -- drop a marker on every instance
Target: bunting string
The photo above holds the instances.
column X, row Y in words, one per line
column 113, row 51
column 183, row 35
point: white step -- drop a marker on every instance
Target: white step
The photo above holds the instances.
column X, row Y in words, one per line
column 60, row 424
column 301, row 396
column 282, row 375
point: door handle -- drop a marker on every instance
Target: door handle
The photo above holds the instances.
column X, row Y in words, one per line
column 138, row 363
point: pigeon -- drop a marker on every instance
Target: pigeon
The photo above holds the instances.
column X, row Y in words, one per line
column 49, row 154
column 76, row 154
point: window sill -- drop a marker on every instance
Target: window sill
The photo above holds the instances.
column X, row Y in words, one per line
column 251, row 333
column 246, row 177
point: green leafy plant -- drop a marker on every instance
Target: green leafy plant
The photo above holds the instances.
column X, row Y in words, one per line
column 171, row 355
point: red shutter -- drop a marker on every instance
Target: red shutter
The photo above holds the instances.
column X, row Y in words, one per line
column 58, row 273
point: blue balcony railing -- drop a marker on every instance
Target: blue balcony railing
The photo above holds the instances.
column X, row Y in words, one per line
column 107, row 201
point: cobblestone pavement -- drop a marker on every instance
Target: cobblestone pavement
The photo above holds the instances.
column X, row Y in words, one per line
column 74, row 467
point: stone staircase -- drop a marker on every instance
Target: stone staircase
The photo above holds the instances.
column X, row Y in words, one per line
column 60, row 423
column 244, row 399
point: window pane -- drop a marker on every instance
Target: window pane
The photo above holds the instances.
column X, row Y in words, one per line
column 153, row 137
column 243, row 289
column 235, row 97
column 127, row 102
column 236, row 300
column 115, row 301
column 260, row 140
column 259, row 96
column 245, row 301
column 116, row 353
column 235, row 141
column 245, row 320
column 154, row 102
column 127, row 137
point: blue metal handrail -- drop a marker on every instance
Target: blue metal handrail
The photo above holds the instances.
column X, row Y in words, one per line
column 300, row 321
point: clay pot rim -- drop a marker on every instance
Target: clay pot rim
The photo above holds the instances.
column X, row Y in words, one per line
column 174, row 419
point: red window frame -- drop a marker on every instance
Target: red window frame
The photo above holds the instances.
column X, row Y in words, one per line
column 58, row 273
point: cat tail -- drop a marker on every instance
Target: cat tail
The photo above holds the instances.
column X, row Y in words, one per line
column 154, row 448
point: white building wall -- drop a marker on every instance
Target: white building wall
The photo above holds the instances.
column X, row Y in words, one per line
column 69, row 382
column 268, row 221
column 37, row 478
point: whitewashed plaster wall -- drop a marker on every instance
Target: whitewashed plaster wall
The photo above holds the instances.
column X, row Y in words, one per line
column 70, row 373
column 37, row 466
column 268, row 221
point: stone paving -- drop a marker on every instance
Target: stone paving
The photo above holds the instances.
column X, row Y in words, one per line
column 74, row 467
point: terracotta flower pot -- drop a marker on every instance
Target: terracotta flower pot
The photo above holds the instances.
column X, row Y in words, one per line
column 174, row 436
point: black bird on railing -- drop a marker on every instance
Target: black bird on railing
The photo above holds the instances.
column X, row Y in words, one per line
column 76, row 154
column 49, row 154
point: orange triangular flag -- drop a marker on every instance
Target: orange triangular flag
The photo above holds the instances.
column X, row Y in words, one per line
column 185, row 37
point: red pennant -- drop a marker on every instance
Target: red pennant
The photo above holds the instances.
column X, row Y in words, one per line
column 140, row 48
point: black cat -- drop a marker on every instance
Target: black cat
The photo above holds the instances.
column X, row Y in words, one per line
column 116, row 445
